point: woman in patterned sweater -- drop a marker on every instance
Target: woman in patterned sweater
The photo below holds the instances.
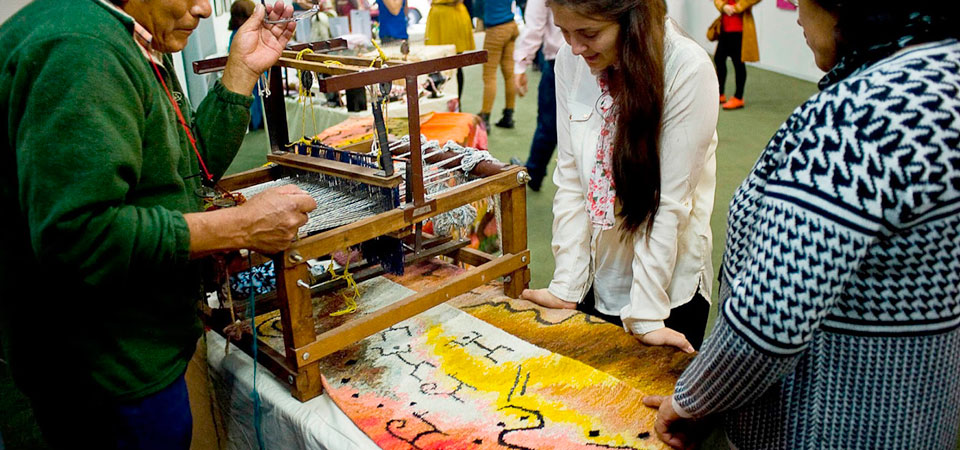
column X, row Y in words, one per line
column 840, row 286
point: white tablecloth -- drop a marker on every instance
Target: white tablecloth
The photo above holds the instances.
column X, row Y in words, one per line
column 286, row 423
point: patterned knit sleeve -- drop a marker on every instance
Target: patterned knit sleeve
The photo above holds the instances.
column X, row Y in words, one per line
column 829, row 184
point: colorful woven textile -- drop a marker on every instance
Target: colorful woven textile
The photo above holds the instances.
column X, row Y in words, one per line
column 447, row 380
column 450, row 379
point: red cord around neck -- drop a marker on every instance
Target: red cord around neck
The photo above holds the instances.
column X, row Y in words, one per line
column 193, row 143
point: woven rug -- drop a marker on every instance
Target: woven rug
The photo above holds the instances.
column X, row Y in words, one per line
column 447, row 380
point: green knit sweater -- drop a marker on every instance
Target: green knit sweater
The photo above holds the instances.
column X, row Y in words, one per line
column 97, row 174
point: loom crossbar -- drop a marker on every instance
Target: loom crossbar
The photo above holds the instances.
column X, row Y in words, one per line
column 366, row 175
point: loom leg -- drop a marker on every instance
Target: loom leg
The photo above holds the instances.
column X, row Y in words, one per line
column 307, row 384
column 513, row 209
column 296, row 318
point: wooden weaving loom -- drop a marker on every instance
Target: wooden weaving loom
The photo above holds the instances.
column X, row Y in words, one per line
column 299, row 364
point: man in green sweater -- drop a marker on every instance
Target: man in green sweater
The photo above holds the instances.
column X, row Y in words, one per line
column 103, row 160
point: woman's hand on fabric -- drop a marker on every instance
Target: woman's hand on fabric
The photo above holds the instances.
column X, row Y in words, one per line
column 257, row 46
column 671, row 428
column 729, row 10
column 272, row 218
column 520, row 81
column 544, row 298
column 666, row 336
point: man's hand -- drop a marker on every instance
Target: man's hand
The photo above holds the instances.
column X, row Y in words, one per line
column 729, row 10
column 520, row 81
column 267, row 223
column 670, row 427
column 666, row 336
column 273, row 217
column 257, row 46
column 544, row 298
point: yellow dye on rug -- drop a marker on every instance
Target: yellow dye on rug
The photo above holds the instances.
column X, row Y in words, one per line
column 446, row 380
column 556, row 381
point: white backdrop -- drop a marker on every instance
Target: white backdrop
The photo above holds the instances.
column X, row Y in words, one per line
column 8, row 7
column 782, row 46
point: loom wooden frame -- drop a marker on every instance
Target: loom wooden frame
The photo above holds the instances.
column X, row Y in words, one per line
column 303, row 348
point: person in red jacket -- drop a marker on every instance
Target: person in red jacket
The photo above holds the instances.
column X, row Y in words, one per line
column 737, row 41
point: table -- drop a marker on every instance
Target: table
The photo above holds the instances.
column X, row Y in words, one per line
column 319, row 423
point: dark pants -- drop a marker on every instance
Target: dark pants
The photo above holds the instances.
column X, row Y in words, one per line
column 459, row 88
column 729, row 46
column 545, row 136
column 160, row 421
column 388, row 39
column 689, row 318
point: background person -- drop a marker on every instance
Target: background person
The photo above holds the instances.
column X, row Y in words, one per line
column 539, row 32
column 738, row 41
column 501, row 32
column 448, row 23
column 392, row 17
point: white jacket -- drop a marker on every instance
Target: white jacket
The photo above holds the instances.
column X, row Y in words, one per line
column 638, row 279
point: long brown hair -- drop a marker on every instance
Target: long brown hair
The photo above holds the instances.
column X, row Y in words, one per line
column 637, row 89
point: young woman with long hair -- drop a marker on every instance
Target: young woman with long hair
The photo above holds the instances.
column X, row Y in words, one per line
column 636, row 171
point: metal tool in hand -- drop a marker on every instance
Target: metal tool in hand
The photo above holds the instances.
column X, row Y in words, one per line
column 296, row 16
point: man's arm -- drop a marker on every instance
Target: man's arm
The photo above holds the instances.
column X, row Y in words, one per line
column 267, row 223
column 74, row 197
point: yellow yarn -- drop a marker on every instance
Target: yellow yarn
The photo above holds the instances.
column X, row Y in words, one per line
column 349, row 298
column 303, row 98
column 382, row 57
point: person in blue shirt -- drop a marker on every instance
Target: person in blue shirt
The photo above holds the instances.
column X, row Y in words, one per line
column 393, row 20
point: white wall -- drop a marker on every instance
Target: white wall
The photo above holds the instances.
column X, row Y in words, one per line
column 8, row 7
column 782, row 45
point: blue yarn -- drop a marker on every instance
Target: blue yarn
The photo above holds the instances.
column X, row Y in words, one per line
column 386, row 251
column 257, row 414
column 260, row 280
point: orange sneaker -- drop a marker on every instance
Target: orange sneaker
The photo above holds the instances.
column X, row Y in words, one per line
column 733, row 103
column 723, row 99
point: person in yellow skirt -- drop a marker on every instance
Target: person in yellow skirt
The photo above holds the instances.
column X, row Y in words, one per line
column 448, row 22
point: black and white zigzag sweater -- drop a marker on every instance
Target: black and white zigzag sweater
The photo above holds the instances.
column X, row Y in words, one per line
column 840, row 313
